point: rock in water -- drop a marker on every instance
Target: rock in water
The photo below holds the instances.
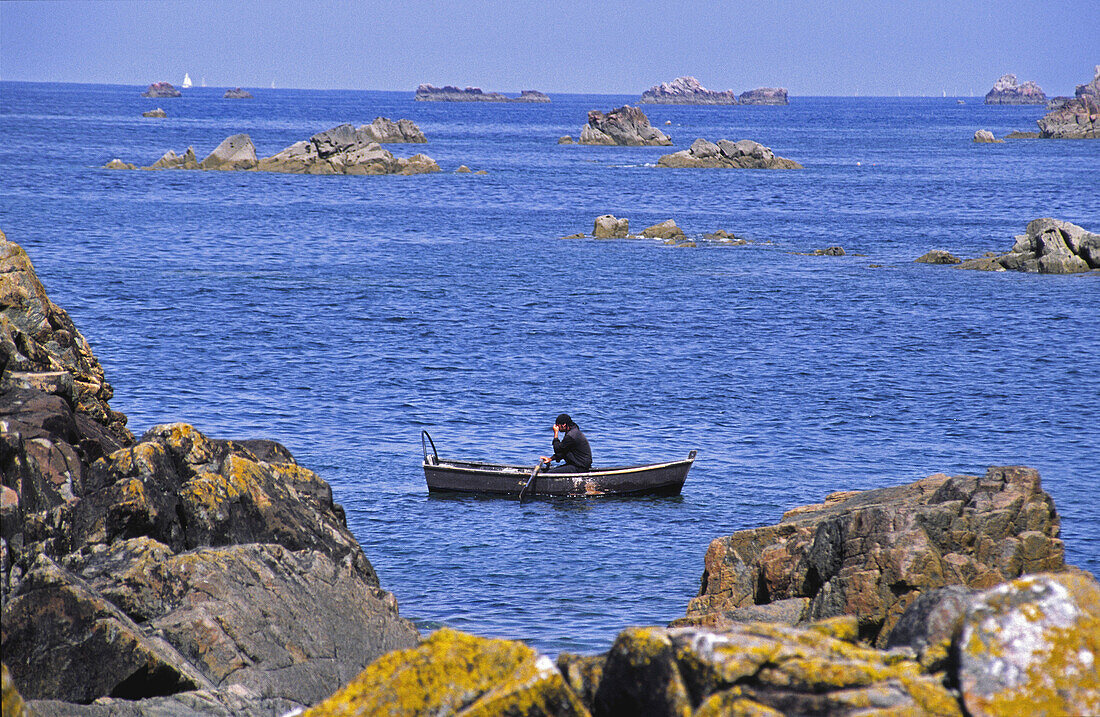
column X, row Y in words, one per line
column 450, row 93
column 1076, row 118
column 665, row 230
column 744, row 154
column 938, row 256
column 687, row 91
column 968, row 530
column 235, row 152
column 385, row 130
column 765, row 96
column 345, row 150
column 626, row 126
column 1006, row 92
column 984, row 136
column 1051, row 246
column 158, row 113
column 608, row 227
column 237, row 94
column 161, row 89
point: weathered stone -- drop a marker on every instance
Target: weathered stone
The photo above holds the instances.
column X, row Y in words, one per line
column 1022, row 135
column 744, row 154
column 565, row 139
column 623, row 126
column 158, row 113
column 665, row 230
column 385, row 130
column 583, row 675
column 117, row 163
column 450, row 93
column 1077, row 117
column 1031, row 646
column 234, row 152
column 455, row 673
column 608, row 227
column 641, row 677
column 931, row 623
column 237, row 94
column 829, row 251
column 1006, row 92
column 161, row 89
column 1051, row 246
column 764, row 96
column 871, row 553
column 13, row 705
column 986, row 137
column 938, row 256
column 981, row 263
column 687, row 91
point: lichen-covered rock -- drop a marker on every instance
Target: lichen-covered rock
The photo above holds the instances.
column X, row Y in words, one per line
column 938, row 256
column 984, row 136
column 234, row 152
column 641, row 676
column 626, row 126
column 744, row 154
column 664, row 230
column 765, row 96
column 871, row 553
column 1032, row 646
column 13, row 705
column 931, row 623
column 1006, row 92
column 608, row 226
column 1051, row 246
column 687, row 91
column 454, row 673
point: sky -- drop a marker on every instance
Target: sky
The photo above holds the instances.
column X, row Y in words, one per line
column 842, row 47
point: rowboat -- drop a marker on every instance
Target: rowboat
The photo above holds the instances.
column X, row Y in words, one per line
column 500, row 479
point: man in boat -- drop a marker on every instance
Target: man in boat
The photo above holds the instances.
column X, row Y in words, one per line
column 571, row 447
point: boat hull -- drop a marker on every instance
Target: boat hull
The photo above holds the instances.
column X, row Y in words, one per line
column 505, row 480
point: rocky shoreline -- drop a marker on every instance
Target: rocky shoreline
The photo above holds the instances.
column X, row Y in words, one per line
column 450, row 93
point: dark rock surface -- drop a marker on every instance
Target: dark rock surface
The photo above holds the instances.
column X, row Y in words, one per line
column 744, row 154
column 938, row 256
column 237, row 94
column 161, row 89
column 450, row 93
column 626, row 126
column 687, row 91
column 170, row 575
column 1006, row 92
column 872, row 553
column 765, row 96
column 1077, row 117
column 1051, row 246
column 158, row 113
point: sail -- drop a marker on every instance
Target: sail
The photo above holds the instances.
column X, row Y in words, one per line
column 186, row 80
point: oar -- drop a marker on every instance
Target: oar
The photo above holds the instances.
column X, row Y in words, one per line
column 530, row 481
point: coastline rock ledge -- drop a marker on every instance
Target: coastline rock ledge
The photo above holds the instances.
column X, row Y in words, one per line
column 625, row 126
column 174, row 574
column 743, row 154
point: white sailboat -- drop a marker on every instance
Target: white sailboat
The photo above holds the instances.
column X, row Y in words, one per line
column 204, row 80
column 186, row 81
column 273, row 84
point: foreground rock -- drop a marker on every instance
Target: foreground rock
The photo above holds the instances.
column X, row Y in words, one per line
column 764, row 96
column 158, row 113
column 687, row 91
column 626, row 126
column 1051, row 246
column 341, row 150
column 872, row 553
column 174, row 574
column 1006, row 92
column 450, row 93
column 161, row 89
column 744, row 154
column 237, row 94
column 1076, row 118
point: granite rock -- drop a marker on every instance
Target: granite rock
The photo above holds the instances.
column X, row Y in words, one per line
column 687, row 91
column 1051, row 246
column 665, row 230
column 161, row 89
column 765, row 96
column 1007, row 92
column 237, row 94
column 984, row 136
column 608, row 226
column 1077, row 117
column 384, row 130
column 623, row 126
column 938, row 256
column 234, row 152
column 744, row 154
column 450, row 93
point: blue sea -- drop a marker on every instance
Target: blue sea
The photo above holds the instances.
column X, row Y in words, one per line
column 343, row 315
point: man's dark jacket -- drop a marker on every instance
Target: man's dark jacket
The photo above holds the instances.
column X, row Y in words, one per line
column 573, row 449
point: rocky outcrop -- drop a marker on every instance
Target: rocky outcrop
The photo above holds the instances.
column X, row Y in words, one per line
column 687, row 91
column 1076, row 118
column 158, row 113
column 237, row 94
column 117, row 163
column 627, row 126
column 566, row 139
column 161, row 89
column 609, row 227
column 938, row 256
column 1006, row 92
column 450, row 93
column 764, row 96
column 1051, row 246
column 984, row 136
column 665, row 230
column 174, row 574
column 744, row 154
column 341, row 150
column 872, row 553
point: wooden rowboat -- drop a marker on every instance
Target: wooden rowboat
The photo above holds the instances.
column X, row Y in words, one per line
column 516, row 481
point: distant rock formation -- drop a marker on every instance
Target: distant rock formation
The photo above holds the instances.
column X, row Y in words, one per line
column 687, row 91
column 161, row 89
column 627, row 126
column 450, row 93
column 157, row 113
column 765, row 96
column 1006, row 92
column 237, row 94
column 938, row 256
column 341, row 150
column 1077, row 117
column 566, row 139
column 385, row 130
column 744, row 154
column 984, row 136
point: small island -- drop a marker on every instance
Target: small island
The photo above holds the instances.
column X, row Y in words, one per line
column 161, row 89
column 744, row 154
column 686, row 90
column 450, row 93
column 237, row 94
column 626, row 126
column 1006, row 92
column 765, row 96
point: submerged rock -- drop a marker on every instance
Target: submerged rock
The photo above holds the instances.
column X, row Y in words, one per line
column 1076, row 118
column 626, row 126
column 161, row 89
column 237, row 94
column 1006, row 92
column 765, row 96
column 687, row 91
column 1016, row 134
column 450, row 93
column 744, row 154
column 158, row 113
column 608, row 227
column 938, row 256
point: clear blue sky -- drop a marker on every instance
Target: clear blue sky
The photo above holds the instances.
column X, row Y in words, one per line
column 835, row 48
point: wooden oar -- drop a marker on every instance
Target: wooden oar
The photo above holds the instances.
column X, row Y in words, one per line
column 530, row 481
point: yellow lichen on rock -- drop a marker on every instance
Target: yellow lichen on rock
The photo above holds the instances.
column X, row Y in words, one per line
column 454, row 673
column 13, row 701
column 842, row 627
column 732, row 703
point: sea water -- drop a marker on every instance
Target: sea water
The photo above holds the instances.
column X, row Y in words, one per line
column 342, row 315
